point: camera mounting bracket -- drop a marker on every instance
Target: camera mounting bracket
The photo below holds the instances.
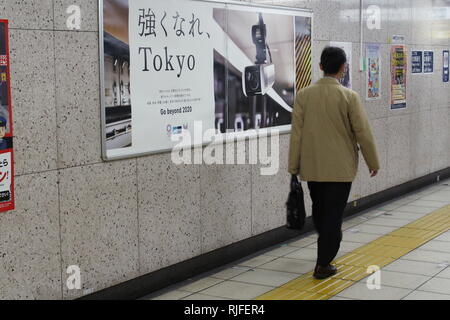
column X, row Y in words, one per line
column 259, row 35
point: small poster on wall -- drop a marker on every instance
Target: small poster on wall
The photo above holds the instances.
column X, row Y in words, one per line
column 373, row 74
column 416, row 61
column 445, row 65
column 398, row 76
column 428, row 62
column 346, row 80
column 6, row 131
column 397, row 38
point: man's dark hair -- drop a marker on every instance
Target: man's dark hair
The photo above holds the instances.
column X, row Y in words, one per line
column 332, row 59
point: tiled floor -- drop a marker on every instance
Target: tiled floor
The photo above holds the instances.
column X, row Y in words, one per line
column 421, row 274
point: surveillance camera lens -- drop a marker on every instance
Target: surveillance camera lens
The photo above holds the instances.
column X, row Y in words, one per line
column 252, row 81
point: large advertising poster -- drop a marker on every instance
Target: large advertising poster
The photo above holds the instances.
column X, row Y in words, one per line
column 373, row 73
column 6, row 128
column 398, row 76
column 170, row 65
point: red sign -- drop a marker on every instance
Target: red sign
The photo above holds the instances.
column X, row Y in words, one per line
column 6, row 125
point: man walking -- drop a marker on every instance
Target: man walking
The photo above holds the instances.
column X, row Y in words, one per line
column 328, row 124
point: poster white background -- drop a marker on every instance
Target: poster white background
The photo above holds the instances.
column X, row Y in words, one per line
column 151, row 117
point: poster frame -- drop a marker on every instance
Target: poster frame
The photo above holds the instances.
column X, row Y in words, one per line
column 423, row 62
column 230, row 137
column 12, row 203
column 406, row 56
column 366, row 77
column 445, row 76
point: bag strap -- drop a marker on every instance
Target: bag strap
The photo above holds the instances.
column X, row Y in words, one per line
column 294, row 182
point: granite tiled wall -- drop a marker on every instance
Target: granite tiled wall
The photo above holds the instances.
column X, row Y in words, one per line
column 122, row 219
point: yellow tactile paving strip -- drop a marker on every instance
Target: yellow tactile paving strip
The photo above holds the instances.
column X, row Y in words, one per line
column 353, row 266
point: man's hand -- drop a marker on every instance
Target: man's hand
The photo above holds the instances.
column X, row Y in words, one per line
column 373, row 173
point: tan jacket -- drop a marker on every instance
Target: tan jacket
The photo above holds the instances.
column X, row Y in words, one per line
column 328, row 123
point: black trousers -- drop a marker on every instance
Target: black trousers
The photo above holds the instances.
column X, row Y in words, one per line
column 329, row 201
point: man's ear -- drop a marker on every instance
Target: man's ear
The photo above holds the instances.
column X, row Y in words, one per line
column 320, row 66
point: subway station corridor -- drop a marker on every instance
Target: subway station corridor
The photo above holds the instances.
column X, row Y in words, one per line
column 408, row 238
column 153, row 150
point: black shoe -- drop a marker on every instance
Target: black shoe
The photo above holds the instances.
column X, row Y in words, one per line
column 324, row 272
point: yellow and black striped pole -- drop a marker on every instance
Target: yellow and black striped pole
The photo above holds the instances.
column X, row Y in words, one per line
column 303, row 75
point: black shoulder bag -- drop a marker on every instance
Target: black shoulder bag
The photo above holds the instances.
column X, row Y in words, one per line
column 295, row 204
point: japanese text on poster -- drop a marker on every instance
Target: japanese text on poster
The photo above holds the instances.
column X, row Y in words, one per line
column 398, row 77
column 428, row 62
column 6, row 131
column 416, row 61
